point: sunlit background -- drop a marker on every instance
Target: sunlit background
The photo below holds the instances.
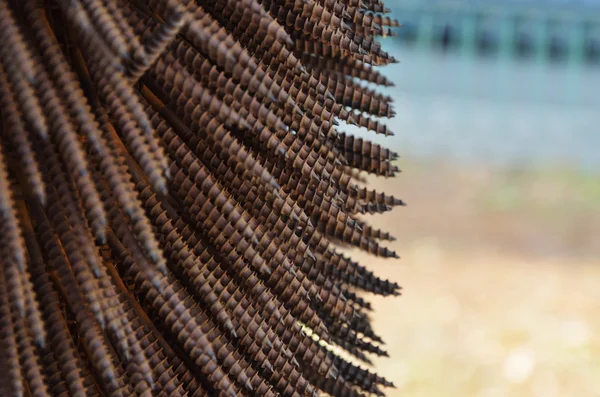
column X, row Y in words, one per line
column 497, row 126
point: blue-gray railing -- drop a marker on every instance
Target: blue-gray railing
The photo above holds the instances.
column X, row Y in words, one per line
column 550, row 30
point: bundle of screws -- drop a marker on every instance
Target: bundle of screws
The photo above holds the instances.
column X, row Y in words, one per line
column 174, row 191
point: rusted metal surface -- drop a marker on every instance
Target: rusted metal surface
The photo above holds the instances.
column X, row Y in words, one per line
column 173, row 187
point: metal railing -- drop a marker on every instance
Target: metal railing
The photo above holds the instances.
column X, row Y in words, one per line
column 554, row 31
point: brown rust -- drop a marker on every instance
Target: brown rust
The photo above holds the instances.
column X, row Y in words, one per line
column 173, row 185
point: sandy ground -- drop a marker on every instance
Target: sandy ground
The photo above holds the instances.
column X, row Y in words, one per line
column 500, row 273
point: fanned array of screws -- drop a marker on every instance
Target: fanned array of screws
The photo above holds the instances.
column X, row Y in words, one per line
column 173, row 187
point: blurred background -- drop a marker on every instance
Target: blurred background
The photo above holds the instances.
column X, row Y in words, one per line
column 497, row 126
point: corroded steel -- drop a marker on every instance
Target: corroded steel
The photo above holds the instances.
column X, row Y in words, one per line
column 173, row 189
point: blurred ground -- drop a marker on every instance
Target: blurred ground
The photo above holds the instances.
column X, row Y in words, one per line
column 500, row 272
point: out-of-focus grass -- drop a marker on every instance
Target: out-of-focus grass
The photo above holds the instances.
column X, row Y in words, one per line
column 550, row 191
column 543, row 212
column 500, row 294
